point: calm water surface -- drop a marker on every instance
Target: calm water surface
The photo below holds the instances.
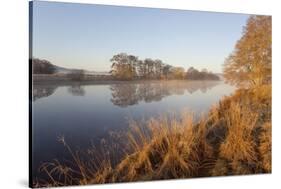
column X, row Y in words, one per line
column 84, row 114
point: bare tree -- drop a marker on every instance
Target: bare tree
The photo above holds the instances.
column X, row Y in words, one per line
column 158, row 68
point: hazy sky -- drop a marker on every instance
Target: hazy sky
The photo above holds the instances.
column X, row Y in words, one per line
column 86, row 36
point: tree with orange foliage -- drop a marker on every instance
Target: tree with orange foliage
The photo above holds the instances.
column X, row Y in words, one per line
column 250, row 62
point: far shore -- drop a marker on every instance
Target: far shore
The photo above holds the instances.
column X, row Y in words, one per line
column 58, row 80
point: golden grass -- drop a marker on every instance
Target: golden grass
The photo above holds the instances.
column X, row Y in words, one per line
column 239, row 144
column 234, row 138
column 265, row 147
column 174, row 149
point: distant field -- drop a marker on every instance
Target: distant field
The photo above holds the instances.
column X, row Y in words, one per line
column 64, row 77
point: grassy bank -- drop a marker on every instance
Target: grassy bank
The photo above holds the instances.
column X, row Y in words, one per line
column 234, row 138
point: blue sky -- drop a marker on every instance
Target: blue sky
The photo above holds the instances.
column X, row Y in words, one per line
column 86, row 36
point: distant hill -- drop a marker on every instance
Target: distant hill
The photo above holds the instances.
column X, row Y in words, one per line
column 96, row 73
column 40, row 66
column 68, row 70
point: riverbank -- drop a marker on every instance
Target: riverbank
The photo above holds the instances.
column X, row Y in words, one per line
column 233, row 139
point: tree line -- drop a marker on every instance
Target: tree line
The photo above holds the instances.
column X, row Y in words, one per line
column 130, row 67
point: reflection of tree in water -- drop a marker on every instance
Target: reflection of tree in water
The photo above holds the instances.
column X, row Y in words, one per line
column 76, row 90
column 202, row 86
column 40, row 91
column 149, row 92
column 205, row 88
column 124, row 95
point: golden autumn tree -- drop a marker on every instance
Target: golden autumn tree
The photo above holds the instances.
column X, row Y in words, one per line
column 250, row 62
